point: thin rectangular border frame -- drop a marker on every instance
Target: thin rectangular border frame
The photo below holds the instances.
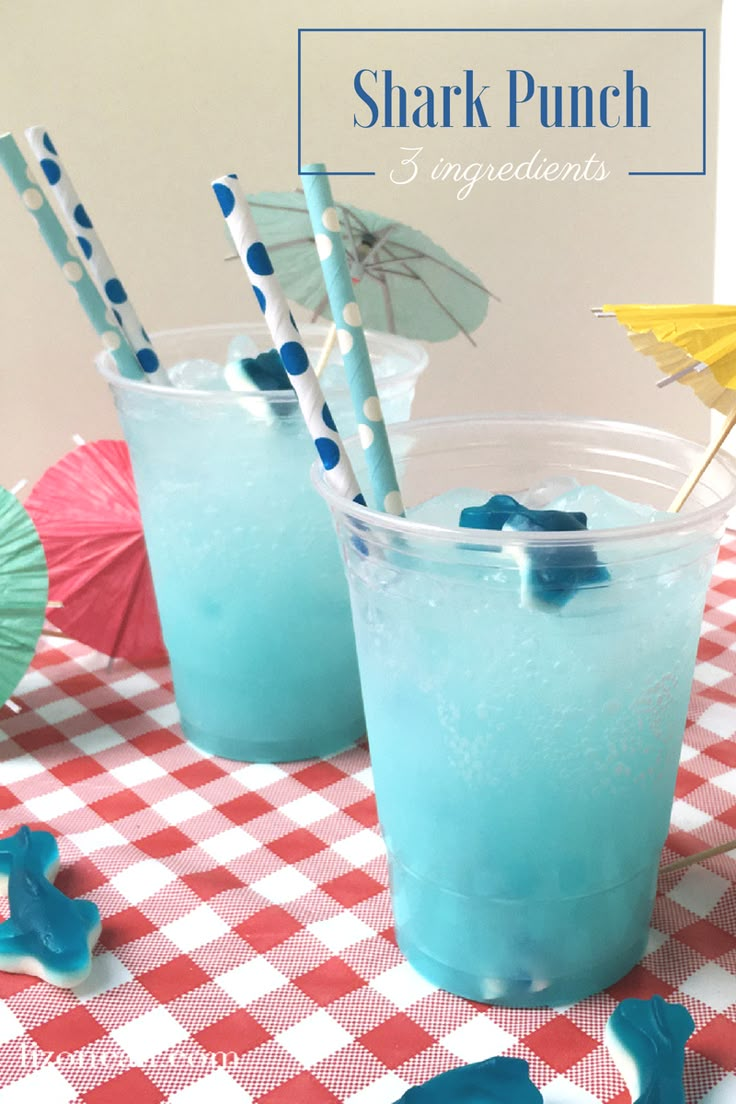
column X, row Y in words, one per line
column 501, row 30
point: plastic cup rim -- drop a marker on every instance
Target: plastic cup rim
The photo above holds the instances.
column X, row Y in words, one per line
column 105, row 364
column 483, row 538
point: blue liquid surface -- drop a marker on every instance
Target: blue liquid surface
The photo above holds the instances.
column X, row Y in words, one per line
column 525, row 759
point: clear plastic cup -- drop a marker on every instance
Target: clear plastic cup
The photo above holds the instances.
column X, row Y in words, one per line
column 525, row 758
column 252, row 598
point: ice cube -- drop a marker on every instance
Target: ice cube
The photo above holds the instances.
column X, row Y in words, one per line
column 542, row 493
column 445, row 509
column 241, row 347
column 606, row 510
column 333, row 374
column 198, row 375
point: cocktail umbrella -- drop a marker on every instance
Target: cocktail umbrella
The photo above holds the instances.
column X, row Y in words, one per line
column 405, row 283
column 24, row 588
column 693, row 344
column 86, row 510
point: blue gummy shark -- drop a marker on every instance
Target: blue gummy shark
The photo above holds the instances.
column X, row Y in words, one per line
column 550, row 576
column 267, row 372
column 43, row 853
column 646, row 1039
column 495, row 1081
column 48, row 934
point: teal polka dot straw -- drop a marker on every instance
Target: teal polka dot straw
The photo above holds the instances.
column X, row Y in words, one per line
column 351, row 340
column 280, row 321
column 65, row 255
column 98, row 262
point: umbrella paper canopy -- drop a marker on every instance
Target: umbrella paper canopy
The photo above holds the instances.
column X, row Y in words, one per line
column 86, row 510
column 405, row 284
column 684, row 339
column 23, row 592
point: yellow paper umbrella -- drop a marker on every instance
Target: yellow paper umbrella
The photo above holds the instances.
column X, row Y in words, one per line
column 694, row 342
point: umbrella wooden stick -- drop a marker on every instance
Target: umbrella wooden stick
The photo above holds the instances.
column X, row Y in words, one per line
column 327, row 348
column 684, row 493
column 388, row 307
column 711, row 852
column 331, row 338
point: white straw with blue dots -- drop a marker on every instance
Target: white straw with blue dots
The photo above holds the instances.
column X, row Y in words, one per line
column 351, row 339
column 65, row 255
column 98, row 262
column 285, row 335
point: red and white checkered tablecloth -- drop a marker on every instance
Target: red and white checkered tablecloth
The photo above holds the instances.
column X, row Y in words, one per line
column 247, row 952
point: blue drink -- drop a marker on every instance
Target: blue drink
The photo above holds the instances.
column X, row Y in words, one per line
column 525, row 757
column 250, row 589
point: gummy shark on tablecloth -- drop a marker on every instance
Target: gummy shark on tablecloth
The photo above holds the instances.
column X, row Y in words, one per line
column 42, row 853
column 550, row 576
column 646, row 1039
column 494, row 1081
column 48, row 935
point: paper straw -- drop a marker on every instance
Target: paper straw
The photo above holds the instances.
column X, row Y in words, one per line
column 351, row 340
column 285, row 335
column 64, row 254
column 99, row 264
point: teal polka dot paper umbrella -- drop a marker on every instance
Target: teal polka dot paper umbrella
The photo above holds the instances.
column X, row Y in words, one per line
column 405, row 283
column 24, row 587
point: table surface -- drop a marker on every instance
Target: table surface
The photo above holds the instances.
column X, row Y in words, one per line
column 247, row 951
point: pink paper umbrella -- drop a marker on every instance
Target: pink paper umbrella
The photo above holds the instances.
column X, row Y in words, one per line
column 85, row 508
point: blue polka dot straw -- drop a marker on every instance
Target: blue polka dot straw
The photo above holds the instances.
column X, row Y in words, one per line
column 285, row 335
column 98, row 262
column 351, row 340
column 65, row 255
